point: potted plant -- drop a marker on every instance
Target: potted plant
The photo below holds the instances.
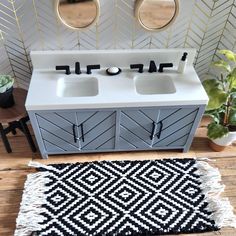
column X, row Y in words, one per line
column 6, row 89
column 221, row 91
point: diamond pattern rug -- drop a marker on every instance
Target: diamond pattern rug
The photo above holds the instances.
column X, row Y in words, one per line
column 153, row 197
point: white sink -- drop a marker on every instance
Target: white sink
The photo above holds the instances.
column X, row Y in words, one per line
column 77, row 87
column 154, row 84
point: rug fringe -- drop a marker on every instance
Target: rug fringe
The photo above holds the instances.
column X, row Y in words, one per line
column 40, row 165
column 30, row 209
column 223, row 212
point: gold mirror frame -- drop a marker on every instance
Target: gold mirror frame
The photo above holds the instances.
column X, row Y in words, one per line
column 138, row 5
column 57, row 2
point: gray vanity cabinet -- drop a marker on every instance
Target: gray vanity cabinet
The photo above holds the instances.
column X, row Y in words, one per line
column 121, row 129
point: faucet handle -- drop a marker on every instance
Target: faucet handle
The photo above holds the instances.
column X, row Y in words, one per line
column 66, row 68
column 92, row 67
column 137, row 66
column 163, row 65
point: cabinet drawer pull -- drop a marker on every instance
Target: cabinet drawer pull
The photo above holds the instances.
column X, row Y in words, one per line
column 74, row 132
column 82, row 131
column 154, row 126
column 161, row 127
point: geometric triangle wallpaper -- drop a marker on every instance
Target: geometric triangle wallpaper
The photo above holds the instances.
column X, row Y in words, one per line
column 25, row 25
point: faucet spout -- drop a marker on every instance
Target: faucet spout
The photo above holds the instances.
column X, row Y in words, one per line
column 152, row 67
column 77, row 68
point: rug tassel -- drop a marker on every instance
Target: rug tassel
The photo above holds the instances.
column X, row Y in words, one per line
column 30, row 209
column 223, row 212
column 39, row 165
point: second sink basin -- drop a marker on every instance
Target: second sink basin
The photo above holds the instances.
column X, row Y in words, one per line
column 77, row 87
column 154, row 84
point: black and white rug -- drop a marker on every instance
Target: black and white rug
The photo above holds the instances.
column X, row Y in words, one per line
column 153, row 197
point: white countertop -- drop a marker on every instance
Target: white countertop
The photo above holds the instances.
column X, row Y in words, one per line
column 114, row 91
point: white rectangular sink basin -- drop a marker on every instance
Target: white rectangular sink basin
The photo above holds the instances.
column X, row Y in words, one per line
column 77, row 87
column 154, row 84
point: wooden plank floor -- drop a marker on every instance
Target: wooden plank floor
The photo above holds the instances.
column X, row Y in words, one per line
column 13, row 171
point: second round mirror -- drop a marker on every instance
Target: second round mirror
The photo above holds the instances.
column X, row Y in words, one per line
column 156, row 15
column 78, row 14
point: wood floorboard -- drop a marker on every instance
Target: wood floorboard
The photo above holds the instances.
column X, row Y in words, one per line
column 14, row 169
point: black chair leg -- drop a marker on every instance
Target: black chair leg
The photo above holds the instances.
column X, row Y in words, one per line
column 4, row 139
column 28, row 135
column 13, row 130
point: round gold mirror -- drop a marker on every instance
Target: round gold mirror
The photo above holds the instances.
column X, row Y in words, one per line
column 78, row 14
column 156, row 15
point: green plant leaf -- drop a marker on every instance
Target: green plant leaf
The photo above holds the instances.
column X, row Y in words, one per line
column 210, row 84
column 217, row 97
column 232, row 117
column 216, row 131
column 222, row 65
column 214, row 115
column 231, row 79
column 217, row 115
column 228, row 54
column 233, row 73
column 6, row 81
column 233, row 90
column 233, row 101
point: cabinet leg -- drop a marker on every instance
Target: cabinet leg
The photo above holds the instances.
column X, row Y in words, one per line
column 44, row 156
column 186, row 149
column 28, row 135
column 4, row 139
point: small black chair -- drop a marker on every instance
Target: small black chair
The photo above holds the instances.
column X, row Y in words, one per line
column 16, row 117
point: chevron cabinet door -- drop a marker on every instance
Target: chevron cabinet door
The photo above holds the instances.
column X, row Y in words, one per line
column 76, row 131
column 56, row 129
column 96, row 129
column 136, row 127
column 176, row 127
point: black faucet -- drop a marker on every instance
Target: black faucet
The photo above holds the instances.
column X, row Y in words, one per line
column 66, row 68
column 163, row 65
column 137, row 66
column 152, row 67
column 77, row 68
column 92, row 67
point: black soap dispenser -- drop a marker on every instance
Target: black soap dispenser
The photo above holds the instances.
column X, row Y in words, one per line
column 183, row 63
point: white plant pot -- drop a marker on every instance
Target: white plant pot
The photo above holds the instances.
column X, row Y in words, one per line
column 226, row 140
